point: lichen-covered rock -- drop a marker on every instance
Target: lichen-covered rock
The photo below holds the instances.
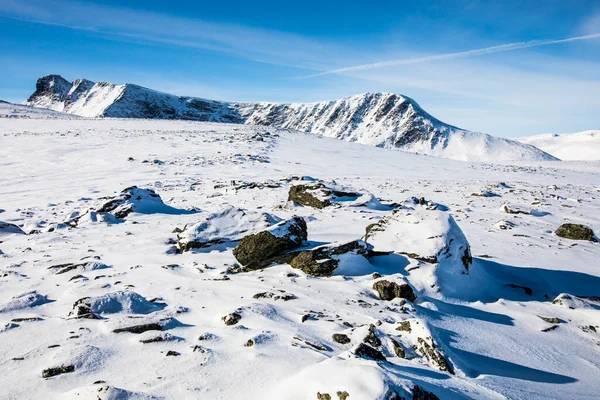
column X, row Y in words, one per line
column 404, row 326
column 317, row 194
column 428, row 350
column 390, row 290
column 323, row 261
column 398, row 349
column 342, row 395
column 576, row 232
column 341, row 338
column 231, row 224
column 63, row 369
column 258, row 250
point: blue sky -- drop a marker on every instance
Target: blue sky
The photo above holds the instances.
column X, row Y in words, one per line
column 527, row 80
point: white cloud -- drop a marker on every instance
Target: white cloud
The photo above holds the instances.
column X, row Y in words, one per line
column 461, row 54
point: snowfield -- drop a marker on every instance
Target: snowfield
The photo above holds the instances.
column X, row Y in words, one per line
column 440, row 284
column 569, row 146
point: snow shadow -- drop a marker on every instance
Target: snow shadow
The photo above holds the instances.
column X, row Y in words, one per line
column 529, row 283
column 474, row 365
column 463, row 311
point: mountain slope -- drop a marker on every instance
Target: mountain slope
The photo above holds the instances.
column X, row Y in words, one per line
column 376, row 119
column 570, row 146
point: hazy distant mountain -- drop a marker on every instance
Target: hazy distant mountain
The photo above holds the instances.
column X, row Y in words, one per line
column 377, row 119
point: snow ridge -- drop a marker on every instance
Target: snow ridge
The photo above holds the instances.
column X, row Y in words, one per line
column 378, row 119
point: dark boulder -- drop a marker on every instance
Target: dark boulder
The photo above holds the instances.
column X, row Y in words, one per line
column 390, row 290
column 258, row 250
column 576, row 232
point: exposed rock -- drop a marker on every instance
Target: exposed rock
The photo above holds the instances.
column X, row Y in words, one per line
column 63, row 369
column 341, row 338
column 404, row 326
column 228, row 225
column 172, row 353
column 275, row 296
column 371, row 338
column 428, row 350
column 156, row 338
column 576, row 232
column 575, row 302
column 323, row 396
column 342, row 395
column 398, row 349
column 26, row 319
column 366, row 351
column 390, row 290
column 421, row 394
column 231, row 319
column 323, row 260
column 79, row 267
column 484, row 193
column 317, row 194
column 550, row 320
column 527, row 290
column 132, row 199
column 511, row 209
column 154, row 326
column 257, row 250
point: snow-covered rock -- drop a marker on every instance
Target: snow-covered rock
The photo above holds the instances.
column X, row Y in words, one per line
column 117, row 302
column 24, row 300
column 377, row 119
column 103, row 391
column 430, row 236
column 319, row 194
column 10, row 229
column 231, row 224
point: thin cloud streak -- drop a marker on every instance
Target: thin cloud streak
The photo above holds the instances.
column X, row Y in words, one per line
column 469, row 53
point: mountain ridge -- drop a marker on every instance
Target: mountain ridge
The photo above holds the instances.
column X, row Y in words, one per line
column 379, row 119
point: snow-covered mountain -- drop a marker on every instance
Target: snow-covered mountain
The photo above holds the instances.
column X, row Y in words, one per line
column 569, row 146
column 377, row 119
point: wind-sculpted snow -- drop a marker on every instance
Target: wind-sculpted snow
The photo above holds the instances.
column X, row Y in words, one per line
column 377, row 119
column 451, row 297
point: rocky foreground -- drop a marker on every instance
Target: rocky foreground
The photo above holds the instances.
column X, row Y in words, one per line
column 148, row 259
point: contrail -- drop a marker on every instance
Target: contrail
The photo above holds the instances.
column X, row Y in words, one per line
column 469, row 53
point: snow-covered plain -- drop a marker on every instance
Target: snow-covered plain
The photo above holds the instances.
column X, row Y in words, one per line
column 568, row 146
column 54, row 171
